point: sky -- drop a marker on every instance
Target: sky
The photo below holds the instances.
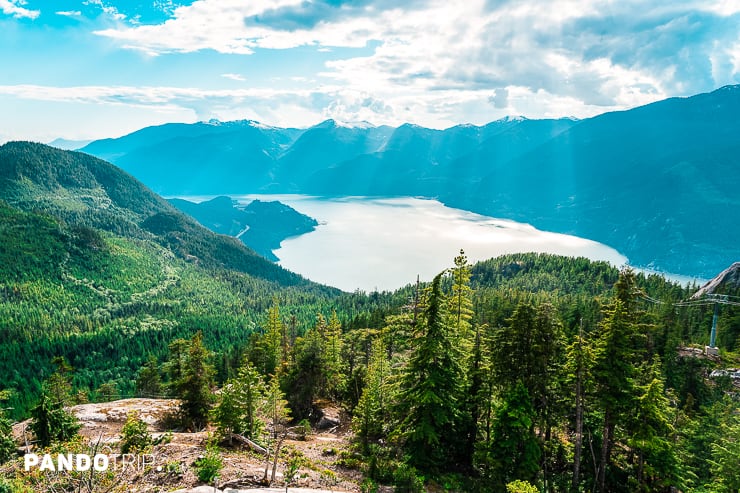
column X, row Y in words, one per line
column 103, row 68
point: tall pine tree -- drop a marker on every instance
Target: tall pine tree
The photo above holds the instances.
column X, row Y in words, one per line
column 432, row 391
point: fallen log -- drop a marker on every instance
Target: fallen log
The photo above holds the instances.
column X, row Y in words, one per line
column 249, row 443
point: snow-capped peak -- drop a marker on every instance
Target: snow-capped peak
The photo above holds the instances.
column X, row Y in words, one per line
column 331, row 122
column 512, row 119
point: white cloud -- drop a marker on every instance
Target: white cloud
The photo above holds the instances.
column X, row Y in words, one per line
column 109, row 10
column 434, row 62
column 13, row 7
column 236, row 77
column 721, row 7
column 599, row 53
column 69, row 13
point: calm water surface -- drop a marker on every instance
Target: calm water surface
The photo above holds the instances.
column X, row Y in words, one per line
column 384, row 243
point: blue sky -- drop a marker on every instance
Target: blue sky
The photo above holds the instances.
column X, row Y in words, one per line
column 100, row 68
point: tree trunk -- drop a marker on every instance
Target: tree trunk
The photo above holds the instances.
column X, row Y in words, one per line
column 579, row 414
column 275, row 459
column 579, row 434
column 605, row 451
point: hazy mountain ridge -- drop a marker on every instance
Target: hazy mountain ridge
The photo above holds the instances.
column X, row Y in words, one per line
column 659, row 182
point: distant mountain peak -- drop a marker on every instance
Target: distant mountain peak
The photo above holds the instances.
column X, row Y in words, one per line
column 332, row 123
column 237, row 123
column 512, row 119
column 68, row 144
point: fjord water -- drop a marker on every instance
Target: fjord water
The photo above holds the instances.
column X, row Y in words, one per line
column 383, row 243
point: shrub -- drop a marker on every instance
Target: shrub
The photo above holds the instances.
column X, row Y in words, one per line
column 51, row 422
column 13, row 486
column 7, row 444
column 303, row 430
column 369, row 486
column 406, row 479
column 135, row 437
column 520, row 486
column 208, row 467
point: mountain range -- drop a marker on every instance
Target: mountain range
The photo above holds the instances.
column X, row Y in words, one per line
column 659, row 182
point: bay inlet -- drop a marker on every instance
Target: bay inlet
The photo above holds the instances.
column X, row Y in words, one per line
column 381, row 244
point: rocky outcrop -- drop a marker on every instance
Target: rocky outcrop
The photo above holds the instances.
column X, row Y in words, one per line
column 728, row 278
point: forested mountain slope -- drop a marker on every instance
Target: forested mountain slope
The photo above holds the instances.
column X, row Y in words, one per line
column 261, row 225
column 98, row 269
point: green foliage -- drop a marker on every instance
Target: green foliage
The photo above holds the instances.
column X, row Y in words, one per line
column 514, row 451
column 726, row 457
column 148, row 381
column 80, row 277
column 195, row 383
column 306, row 380
column 520, row 486
column 13, row 486
column 135, row 437
column 292, row 469
column 98, row 270
column 432, row 390
column 239, row 401
column 51, row 422
column 460, row 300
column 107, row 392
column 275, row 407
column 303, row 429
column 208, row 467
column 406, row 479
column 368, row 486
column 7, row 443
column 372, row 412
column 651, row 435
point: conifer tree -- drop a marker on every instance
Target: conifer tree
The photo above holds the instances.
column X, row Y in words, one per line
column 514, row 451
column 196, row 383
column 59, row 383
column 333, row 365
column 651, row 436
column 307, row 377
column 175, row 365
column 614, row 375
column 51, row 422
column 530, row 350
column 371, row 412
column 620, row 358
column 239, row 401
column 432, row 391
column 277, row 412
column 148, row 381
column 7, row 444
column 479, row 394
column 578, row 376
column 273, row 340
column 460, row 301
column 726, row 457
